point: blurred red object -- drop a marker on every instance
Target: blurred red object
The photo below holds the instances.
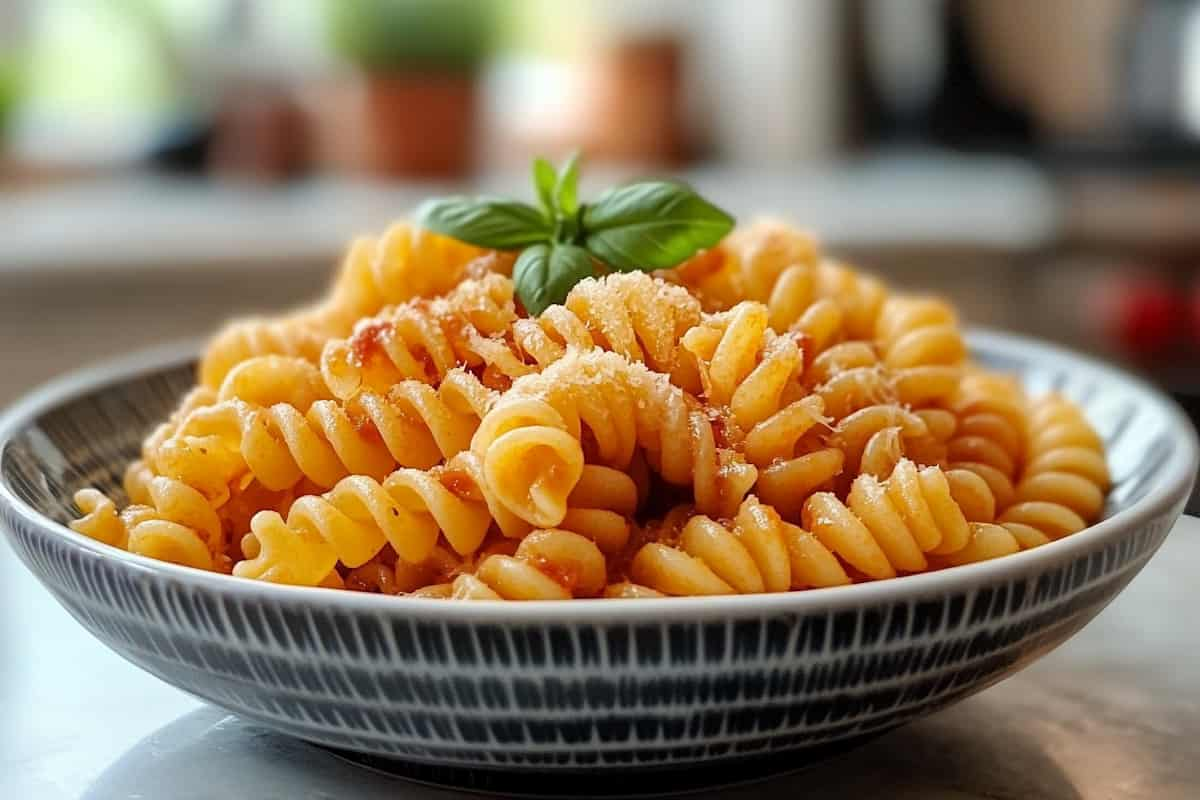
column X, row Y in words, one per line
column 420, row 125
column 261, row 134
column 1142, row 314
column 634, row 111
column 1195, row 306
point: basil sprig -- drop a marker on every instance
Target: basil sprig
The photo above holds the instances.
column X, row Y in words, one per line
column 640, row 226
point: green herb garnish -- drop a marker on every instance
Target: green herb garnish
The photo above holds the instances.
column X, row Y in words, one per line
column 644, row 226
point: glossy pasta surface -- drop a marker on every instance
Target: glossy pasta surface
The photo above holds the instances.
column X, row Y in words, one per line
column 760, row 419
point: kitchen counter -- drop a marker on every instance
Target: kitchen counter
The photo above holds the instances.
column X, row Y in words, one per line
column 148, row 222
column 1113, row 714
column 93, row 269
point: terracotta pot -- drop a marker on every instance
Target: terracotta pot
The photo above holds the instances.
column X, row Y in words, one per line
column 635, row 103
column 418, row 125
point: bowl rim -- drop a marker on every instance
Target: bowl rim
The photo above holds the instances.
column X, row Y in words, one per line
column 1179, row 473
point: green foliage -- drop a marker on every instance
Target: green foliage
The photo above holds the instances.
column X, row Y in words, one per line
column 413, row 35
column 640, row 226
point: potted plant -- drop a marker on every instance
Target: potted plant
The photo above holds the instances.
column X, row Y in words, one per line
column 10, row 86
column 412, row 109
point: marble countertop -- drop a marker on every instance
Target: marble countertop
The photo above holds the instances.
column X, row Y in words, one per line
column 1113, row 714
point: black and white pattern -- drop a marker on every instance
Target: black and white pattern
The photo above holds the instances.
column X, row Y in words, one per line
column 771, row 681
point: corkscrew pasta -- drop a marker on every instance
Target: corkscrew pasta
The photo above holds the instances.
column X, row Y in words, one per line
column 758, row 552
column 762, row 418
column 533, row 441
column 404, row 263
column 547, row 565
column 1065, row 477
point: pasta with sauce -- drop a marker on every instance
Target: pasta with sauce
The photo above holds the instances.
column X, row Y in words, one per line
column 761, row 418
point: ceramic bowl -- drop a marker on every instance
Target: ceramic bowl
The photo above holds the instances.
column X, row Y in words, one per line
column 646, row 695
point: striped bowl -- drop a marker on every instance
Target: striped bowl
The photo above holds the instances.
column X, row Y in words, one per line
column 527, row 696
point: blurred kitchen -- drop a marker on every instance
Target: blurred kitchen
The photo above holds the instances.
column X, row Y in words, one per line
column 165, row 163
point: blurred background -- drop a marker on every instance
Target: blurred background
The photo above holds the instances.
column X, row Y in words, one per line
column 165, row 163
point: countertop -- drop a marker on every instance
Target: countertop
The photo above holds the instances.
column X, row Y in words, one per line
column 1113, row 714
column 146, row 222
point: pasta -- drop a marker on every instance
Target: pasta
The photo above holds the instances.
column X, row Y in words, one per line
column 862, row 347
column 424, row 340
column 301, row 335
column 758, row 552
column 885, row 527
column 532, row 442
column 308, row 436
column 177, row 525
column 404, row 263
column 476, row 325
column 989, row 438
column 351, row 524
column 547, row 565
column 761, row 418
column 600, row 507
column 1064, row 480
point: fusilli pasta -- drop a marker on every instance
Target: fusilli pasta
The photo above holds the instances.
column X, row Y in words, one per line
column 760, row 419
column 533, row 440
column 547, row 565
column 1064, row 479
column 758, row 552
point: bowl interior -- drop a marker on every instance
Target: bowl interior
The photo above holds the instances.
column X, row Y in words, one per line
column 90, row 437
column 83, row 430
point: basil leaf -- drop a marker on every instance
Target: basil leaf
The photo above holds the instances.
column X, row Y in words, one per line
column 652, row 225
column 486, row 222
column 544, row 274
column 566, row 192
column 545, row 179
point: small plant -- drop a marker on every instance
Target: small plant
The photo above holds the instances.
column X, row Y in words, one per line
column 10, row 91
column 391, row 36
column 644, row 226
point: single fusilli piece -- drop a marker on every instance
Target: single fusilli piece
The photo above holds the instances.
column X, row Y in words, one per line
column 601, row 505
column 424, row 339
column 757, row 552
column 632, row 314
column 1061, row 488
column 548, row 564
column 919, row 332
column 748, row 264
column 196, row 398
column 887, row 527
column 198, row 448
column 743, row 365
column 177, row 525
column 989, row 439
column 600, row 408
column 404, row 263
column 351, row 523
column 301, row 334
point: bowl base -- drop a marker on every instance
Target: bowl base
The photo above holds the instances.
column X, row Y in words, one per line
column 625, row 783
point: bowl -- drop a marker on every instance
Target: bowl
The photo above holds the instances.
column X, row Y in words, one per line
column 645, row 695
